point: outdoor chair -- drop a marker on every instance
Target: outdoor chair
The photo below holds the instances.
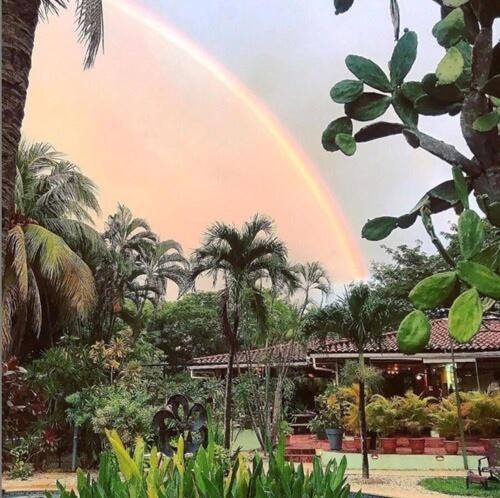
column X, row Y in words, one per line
column 493, row 463
column 475, row 478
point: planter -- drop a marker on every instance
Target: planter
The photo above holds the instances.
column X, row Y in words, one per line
column 451, row 447
column 417, row 445
column 335, row 438
column 388, row 444
column 357, row 443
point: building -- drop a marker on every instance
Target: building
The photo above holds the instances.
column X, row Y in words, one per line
column 429, row 373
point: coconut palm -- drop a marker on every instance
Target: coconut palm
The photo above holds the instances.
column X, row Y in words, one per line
column 19, row 22
column 244, row 258
column 312, row 277
column 54, row 202
column 362, row 317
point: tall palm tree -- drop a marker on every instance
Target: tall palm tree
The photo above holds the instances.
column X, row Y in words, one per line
column 19, row 22
column 244, row 258
column 362, row 317
column 54, row 202
column 313, row 276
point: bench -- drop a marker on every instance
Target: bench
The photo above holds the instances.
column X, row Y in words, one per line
column 477, row 479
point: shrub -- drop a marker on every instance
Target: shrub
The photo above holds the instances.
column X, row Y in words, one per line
column 413, row 413
column 381, row 415
column 445, row 418
column 330, row 412
column 482, row 413
column 202, row 476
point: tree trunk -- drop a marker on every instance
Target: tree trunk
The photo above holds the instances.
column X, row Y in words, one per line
column 228, row 397
column 461, row 431
column 362, row 423
column 19, row 20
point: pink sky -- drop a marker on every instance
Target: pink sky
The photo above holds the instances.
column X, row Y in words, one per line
column 158, row 133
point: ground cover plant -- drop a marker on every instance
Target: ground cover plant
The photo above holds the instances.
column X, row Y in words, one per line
column 455, row 486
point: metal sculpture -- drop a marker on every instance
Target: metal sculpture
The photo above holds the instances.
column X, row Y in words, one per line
column 177, row 419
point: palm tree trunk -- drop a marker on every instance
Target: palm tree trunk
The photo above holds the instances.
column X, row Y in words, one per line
column 19, row 21
column 228, row 396
column 362, row 422
column 461, row 431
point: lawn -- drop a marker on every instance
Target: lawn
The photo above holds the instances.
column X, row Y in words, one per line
column 456, row 486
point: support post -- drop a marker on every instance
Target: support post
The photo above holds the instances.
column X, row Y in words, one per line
column 75, row 448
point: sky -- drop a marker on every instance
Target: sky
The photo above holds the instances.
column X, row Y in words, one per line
column 210, row 110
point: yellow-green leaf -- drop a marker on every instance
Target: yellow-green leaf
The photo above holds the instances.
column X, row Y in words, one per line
column 466, row 315
column 451, row 66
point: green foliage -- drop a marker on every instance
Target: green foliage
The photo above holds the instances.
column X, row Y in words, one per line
column 445, row 417
column 346, row 91
column 414, row 332
column 346, row 143
column 331, row 409
column 21, row 470
column 466, row 315
column 435, row 290
column 340, row 125
column 367, row 106
column 451, row 29
column 368, row 72
column 413, row 413
column 403, row 57
column 379, row 228
column 381, row 415
column 481, row 277
column 204, row 476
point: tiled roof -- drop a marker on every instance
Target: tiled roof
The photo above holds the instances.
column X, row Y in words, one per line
column 487, row 339
column 291, row 353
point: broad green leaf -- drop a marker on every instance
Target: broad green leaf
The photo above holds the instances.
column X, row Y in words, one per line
column 342, row 6
column 487, row 122
column 346, row 91
column 414, row 332
column 403, row 57
column 127, row 465
column 454, row 3
column 470, row 233
column 339, row 125
column 404, row 109
column 368, row 72
column 461, row 186
column 466, row 315
column 346, row 143
column 368, row 106
column 378, row 130
column 379, row 228
column 434, row 291
column 485, row 280
column 412, row 90
column 450, row 67
column 451, row 29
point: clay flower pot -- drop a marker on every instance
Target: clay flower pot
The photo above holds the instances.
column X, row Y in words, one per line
column 357, row 443
column 417, row 445
column 451, row 447
column 388, row 444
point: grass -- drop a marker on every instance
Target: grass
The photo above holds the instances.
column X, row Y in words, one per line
column 456, row 486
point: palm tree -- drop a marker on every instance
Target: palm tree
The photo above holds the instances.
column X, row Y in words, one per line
column 54, row 202
column 362, row 317
column 19, row 22
column 244, row 259
column 312, row 277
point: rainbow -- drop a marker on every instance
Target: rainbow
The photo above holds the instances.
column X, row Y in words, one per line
column 292, row 151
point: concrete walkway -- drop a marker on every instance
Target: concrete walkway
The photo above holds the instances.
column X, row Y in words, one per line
column 387, row 483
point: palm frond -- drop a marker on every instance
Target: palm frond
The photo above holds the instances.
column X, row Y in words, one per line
column 17, row 259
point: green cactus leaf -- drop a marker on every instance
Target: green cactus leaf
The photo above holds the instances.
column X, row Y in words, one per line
column 367, row 106
column 485, row 280
column 368, row 72
column 454, row 3
column 435, row 290
column 346, row 91
column 404, row 109
column 450, row 30
column 413, row 90
column 414, row 333
column 346, row 143
column 487, row 122
column 378, row 130
column 465, row 316
column 379, row 228
column 495, row 101
column 463, row 82
column 403, row 57
column 470, row 233
column 446, row 93
column 430, row 106
column 339, row 125
column 342, row 6
column 461, row 186
column 451, row 66
column 407, row 220
column 489, row 257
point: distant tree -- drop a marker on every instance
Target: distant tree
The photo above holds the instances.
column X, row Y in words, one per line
column 44, row 273
column 244, row 259
column 313, row 277
column 361, row 316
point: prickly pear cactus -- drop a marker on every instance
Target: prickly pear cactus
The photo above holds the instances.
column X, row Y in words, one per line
column 466, row 81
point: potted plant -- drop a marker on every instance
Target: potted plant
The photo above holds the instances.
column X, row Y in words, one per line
column 381, row 417
column 445, row 422
column 414, row 417
column 329, row 418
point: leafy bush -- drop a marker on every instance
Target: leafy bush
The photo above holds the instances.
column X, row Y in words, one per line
column 330, row 412
column 413, row 413
column 381, row 415
column 482, row 413
column 202, row 476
